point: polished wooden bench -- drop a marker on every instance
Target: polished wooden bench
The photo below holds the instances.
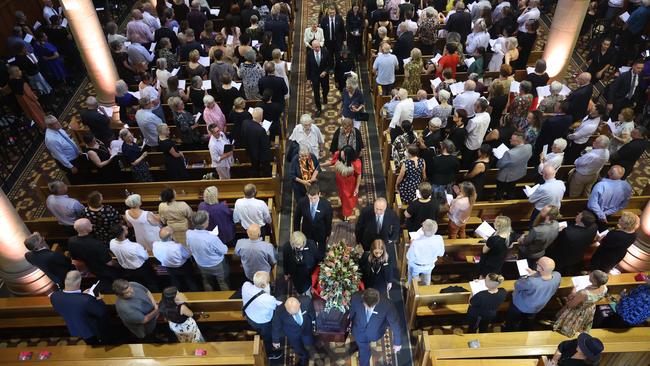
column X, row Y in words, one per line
column 426, row 301
column 622, row 346
column 230, row 353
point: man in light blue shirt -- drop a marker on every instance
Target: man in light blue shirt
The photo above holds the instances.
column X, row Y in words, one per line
column 420, row 107
column 66, row 210
column 60, row 145
column 148, row 122
column 138, row 54
column 175, row 258
column 384, row 67
column 208, row 252
column 610, row 195
column 549, row 193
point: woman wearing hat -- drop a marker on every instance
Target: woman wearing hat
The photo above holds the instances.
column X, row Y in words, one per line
column 585, row 350
column 180, row 318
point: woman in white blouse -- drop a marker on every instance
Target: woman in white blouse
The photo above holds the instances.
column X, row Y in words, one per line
column 555, row 157
column 312, row 33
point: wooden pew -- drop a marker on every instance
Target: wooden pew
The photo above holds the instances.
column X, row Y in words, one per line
column 422, row 301
column 228, row 353
column 622, row 346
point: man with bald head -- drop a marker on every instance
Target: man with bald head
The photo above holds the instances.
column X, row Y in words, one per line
column 549, row 193
column 294, row 320
column 256, row 254
column 94, row 254
column 175, row 258
column 467, row 99
column 610, row 195
column 377, row 221
column 531, row 294
column 98, row 122
column 137, row 31
column 258, row 145
column 579, row 99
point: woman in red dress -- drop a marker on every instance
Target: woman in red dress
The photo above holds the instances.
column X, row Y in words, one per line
column 348, row 178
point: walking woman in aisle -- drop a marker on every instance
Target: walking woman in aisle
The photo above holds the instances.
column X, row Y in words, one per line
column 347, row 166
column 179, row 316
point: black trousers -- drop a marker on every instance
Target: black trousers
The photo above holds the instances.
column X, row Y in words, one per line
column 516, row 320
column 479, row 323
column 181, row 277
column 505, row 190
column 144, row 275
column 318, row 85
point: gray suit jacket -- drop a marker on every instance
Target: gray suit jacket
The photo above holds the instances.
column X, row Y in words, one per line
column 512, row 166
column 538, row 239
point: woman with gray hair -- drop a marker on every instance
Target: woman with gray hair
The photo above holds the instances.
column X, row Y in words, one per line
column 352, row 98
column 547, row 105
column 161, row 72
column 300, row 259
column 304, row 170
column 308, row 134
column 577, row 315
column 133, row 154
column 186, row 123
column 125, row 101
column 250, row 72
column 444, row 109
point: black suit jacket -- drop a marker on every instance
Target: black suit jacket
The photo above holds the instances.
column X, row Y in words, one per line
column 54, row 265
column 166, row 32
column 619, row 88
column 285, row 324
column 553, row 128
column 366, row 228
column 256, row 141
column 579, row 101
column 460, row 23
column 403, row 47
column 570, row 246
column 383, row 315
column 338, row 33
column 276, row 84
column 313, row 69
column 629, row 153
column 83, row 314
column 317, row 229
column 98, row 124
column 299, row 264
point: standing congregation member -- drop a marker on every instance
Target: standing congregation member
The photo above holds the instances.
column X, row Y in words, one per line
column 65, row 152
column 175, row 214
column 384, row 67
column 424, row 252
column 308, row 134
column 175, row 257
column 313, row 217
column 54, row 264
column 209, row 253
column 221, row 159
column 624, row 89
column 146, row 224
column 173, row 306
column 476, row 128
column 256, row 254
column 543, row 231
column 97, row 122
column 588, row 167
column 460, row 209
column 512, row 166
column 496, row 247
column 483, row 306
column 317, row 69
column 136, row 307
column 175, row 163
column 93, row 253
column 610, row 195
column 549, row 193
column 531, row 294
column 295, row 321
column 425, row 207
column 219, row 215
column 259, row 308
column 377, row 221
column 370, row 315
column 581, row 134
column 629, row 154
column 377, row 268
column 148, row 123
column 579, row 98
column 66, row 210
column 102, row 217
column 257, row 143
column 613, row 246
column 577, row 315
column 133, row 258
column 300, row 259
column 568, row 249
column 250, row 210
column 84, row 313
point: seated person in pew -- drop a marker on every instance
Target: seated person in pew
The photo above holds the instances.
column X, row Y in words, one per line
column 585, row 350
column 136, row 307
column 577, row 315
column 54, row 264
column 259, row 307
column 484, row 304
column 66, row 210
column 531, row 294
column 179, row 316
column 250, row 210
column 208, row 252
column 133, row 258
column 568, row 249
column 541, row 235
column 295, row 321
column 424, row 252
column 427, row 206
column 85, row 314
column 175, row 257
column 496, row 247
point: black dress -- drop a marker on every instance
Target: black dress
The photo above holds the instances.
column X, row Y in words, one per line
column 612, row 249
column 375, row 274
column 109, row 173
column 598, row 61
column 498, row 105
column 175, row 166
column 483, row 309
column 421, row 211
column 492, row 261
column 196, row 96
column 237, row 118
column 505, row 133
column 479, row 179
column 300, row 264
column 226, row 98
column 537, row 81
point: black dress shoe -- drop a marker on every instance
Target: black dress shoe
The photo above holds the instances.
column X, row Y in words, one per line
column 318, row 112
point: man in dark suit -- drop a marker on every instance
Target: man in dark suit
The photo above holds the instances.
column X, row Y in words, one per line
column 84, row 314
column 629, row 153
column 294, row 320
column 553, row 128
column 403, row 45
column 313, row 217
column 334, row 31
column 190, row 45
column 377, row 222
column 257, row 143
column 274, row 83
column 579, row 99
column 624, row 91
column 54, row 265
column 370, row 316
column 280, row 29
column 569, row 247
column 98, row 122
column 318, row 64
column 166, row 32
column 460, row 22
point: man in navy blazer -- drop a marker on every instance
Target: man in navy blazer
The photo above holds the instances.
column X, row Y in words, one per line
column 313, row 217
column 84, row 314
column 370, row 315
column 295, row 321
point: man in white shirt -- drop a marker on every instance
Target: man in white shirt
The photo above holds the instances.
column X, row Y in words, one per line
column 497, row 12
column 467, row 98
column 403, row 112
column 208, row 252
column 258, row 307
column 549, row 193
column 133, row 258
column 174, row 257
column 530, row 13
column 49, row 10
column 221, row 160
column 476, row 128
column 588, row 167
column 424, row 252
column 250, row 210
column 478, row 38
column 580, row 136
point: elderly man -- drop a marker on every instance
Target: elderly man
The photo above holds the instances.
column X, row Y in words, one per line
column 175, row 258
column 250, row 210
column 97, row 121
column 531, row 294
column 384, row 67
column 257, row 143
column 541, row 235
column 295, row 321
column 424, row 252
column 377, row 221
column 63, row 149
column 256, row 254
column 478, row 38
column 588, row 167
column 549, row 193
column 581, row 134
column 137, row 31
column 317, row 69
column 512, row 166
column 66, row 210
column 148, row 123
column 404, row 111
column 208, row 252
column 308, row 134
column 554, row 158
column 93, row 253
column 467, row 99
column 259, row 308
column 139, row 56
column 460, row 21
column 476, row 128
column 579, row 98
column 136, row 307
column 54, row 264
column 531, row 12
column 84, row 313
column 221, row 159
column 610, row 195
column 274, row 83
column 420, row 106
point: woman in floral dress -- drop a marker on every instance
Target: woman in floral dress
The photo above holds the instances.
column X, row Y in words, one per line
column 412, row 72
column 520, row 106
column 577, row 315
column 179, row 316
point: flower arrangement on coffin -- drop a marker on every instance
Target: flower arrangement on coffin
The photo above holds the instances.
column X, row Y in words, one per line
column 339, row 276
